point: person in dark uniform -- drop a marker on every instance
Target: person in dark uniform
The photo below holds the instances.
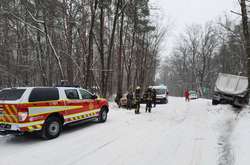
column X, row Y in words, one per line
column 129, row 99
column 149, row 98
column 154, row 96
column 137, row 99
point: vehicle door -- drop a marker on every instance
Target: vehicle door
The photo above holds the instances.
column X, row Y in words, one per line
column 88, row 99
column 73, row 102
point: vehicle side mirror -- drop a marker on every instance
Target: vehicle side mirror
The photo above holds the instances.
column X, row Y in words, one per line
column 94, row 97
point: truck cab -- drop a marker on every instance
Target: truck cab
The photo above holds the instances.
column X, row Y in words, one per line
column 161, row 94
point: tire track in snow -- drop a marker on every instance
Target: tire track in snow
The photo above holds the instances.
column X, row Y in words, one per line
column 193, row 155
column 226, row 156
column 226, row 151
column 196, row 152
column 93, row 151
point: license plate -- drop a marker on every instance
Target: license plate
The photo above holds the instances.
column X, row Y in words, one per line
column 5, row 126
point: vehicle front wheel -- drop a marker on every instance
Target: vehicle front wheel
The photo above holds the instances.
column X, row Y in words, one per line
column 52, row 128
column 103, row 115
column 166, row 101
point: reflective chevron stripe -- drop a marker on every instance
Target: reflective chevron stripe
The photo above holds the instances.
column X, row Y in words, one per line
column 81, row 116
column 9, row 114
column 34, row 128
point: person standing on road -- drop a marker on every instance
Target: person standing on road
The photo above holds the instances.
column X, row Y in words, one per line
column 149, row 98
column 137, row 99
column 129, row 99
column 186, row 94
column 154, row 96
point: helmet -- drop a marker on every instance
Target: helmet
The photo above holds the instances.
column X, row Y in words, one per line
column 138, row 87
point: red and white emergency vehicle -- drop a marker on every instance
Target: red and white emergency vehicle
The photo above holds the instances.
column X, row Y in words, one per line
column 47, row 109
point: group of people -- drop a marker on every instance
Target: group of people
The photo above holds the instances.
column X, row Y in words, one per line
column 149, row 96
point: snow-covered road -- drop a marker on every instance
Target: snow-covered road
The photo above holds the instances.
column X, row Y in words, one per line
column 179, row 133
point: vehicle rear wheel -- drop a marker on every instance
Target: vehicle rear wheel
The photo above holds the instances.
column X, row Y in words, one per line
column 103, row 115
column 52, row 128
column 215, row 102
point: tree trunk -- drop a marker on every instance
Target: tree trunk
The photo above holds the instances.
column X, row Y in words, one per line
column 89, row 75
column 119, row 60
column 102, row 49
column 111, row 45
column 246, row 37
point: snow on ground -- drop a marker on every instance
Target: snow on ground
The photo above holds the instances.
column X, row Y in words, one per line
column 178, row 133
column 240, row 138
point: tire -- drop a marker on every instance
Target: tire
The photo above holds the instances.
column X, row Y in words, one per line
column 52, row 128
column 215, row 102
column 236, row 103
column 103, row 115
column 165, row 101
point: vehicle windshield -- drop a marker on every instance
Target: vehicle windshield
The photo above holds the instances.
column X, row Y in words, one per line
column 160, row 91
column 11, row 94
column 192, row 92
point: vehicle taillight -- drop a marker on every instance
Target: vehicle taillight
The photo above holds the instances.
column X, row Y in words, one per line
column 22, row 114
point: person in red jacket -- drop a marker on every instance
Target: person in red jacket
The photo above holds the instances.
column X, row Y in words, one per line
column 186, row 94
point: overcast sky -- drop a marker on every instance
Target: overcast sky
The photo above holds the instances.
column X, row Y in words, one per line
column 185, row 12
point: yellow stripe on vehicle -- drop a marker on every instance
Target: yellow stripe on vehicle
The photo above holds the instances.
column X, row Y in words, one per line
column 82, row 113
column 34, row 128
column 30, row 128
column 7, row 108
column 9, row 115
column 36, row 111
column 83, row 116
column 12, row 115
column 14, row 108
column 8, row 118
column 38, row 127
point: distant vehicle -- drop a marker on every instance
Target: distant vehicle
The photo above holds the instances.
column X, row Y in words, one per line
column 231, row 89
column 124, row 101
column 45, row 110
column 193, row 95
column 161, row 94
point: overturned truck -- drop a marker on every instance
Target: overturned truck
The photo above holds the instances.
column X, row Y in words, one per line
column 231, row 89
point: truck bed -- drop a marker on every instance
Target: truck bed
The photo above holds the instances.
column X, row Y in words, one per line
column 231, row 84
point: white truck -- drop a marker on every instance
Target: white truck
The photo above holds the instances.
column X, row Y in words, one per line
column 231, row 89
column 161, row 94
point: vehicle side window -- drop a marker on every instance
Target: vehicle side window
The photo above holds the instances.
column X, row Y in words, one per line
column 85, row 94
column 11, row 94
column 44, row 94
column 72, row 94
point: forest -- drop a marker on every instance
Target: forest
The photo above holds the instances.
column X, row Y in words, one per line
column 203, row 51
column 113, row 46
column 109, row 46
